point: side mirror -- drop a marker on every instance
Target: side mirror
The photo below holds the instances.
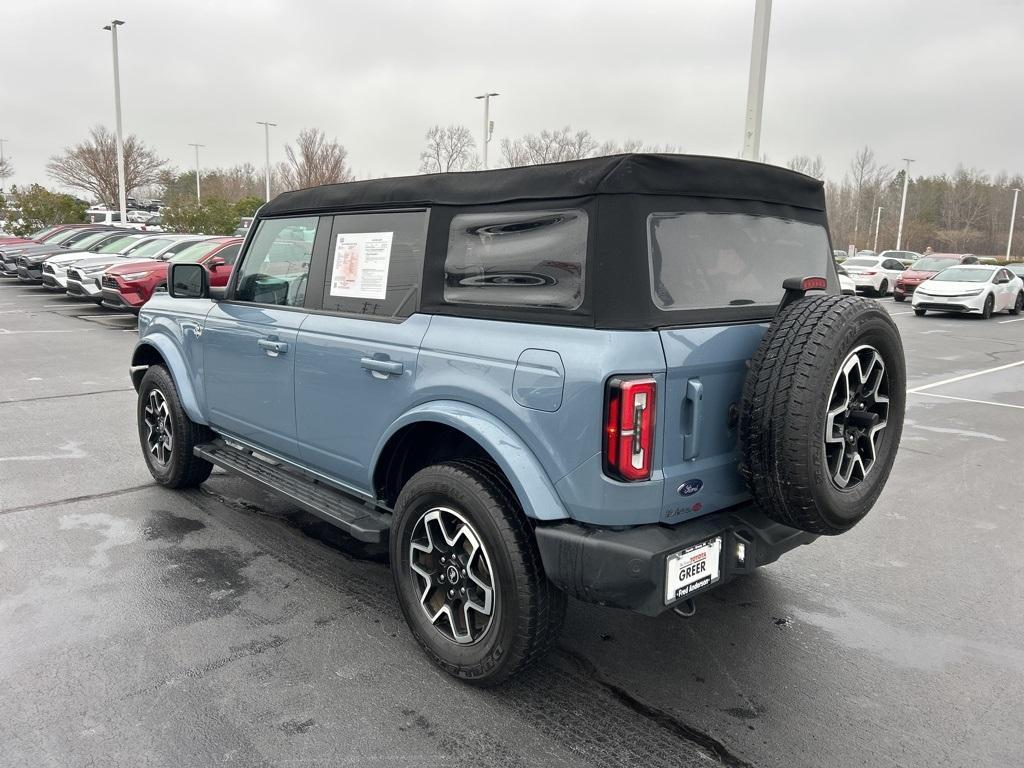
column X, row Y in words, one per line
column 188, row 281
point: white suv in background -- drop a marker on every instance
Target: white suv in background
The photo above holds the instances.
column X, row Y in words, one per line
column 874, row 273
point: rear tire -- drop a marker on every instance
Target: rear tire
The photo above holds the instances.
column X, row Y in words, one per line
column 883, row 289
column 167, row 435
column 1018, row 304
column 822, row 412
column 466, row 513
column 899, row 297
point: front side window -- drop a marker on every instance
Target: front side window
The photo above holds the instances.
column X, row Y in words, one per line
column 517, row 259
column 706, row 260
column 375, row 263
column 276, row 266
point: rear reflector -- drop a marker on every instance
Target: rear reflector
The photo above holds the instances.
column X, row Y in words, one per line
column 629, row 428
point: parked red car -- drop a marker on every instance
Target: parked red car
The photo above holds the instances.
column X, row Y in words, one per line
column 926, row 267
column 129, row 286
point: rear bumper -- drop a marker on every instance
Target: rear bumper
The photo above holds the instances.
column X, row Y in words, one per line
column 626, row 568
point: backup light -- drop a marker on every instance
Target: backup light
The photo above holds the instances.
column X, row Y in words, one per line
column 741, row 553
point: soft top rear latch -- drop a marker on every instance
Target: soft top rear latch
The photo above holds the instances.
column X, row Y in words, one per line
column 796, row 287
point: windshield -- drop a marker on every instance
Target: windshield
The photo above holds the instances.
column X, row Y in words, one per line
column 703, row 260
column 931, row 264
column 42, row 233
column 60, row 237
column 194, row 252
column 151, row 248
column 964, row 275
column 118, row 245
column 86, row 242
column 861, row 262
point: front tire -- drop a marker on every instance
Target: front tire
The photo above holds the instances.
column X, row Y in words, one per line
column 899, row 297
column 920, row 312
column 468, row 573
column 990, row 304
column 167, row 435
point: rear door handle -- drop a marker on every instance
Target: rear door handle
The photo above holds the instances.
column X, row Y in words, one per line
column 385, row 366
column 273, row 347
column 694, row 418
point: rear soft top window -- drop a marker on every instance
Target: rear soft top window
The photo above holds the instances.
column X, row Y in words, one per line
column 705, row 260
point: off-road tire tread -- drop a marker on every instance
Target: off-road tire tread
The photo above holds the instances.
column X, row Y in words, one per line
column 541, row 622
column 777, row 385
column 187, row 469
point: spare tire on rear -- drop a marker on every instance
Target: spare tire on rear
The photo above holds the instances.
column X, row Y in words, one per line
column 822, row 412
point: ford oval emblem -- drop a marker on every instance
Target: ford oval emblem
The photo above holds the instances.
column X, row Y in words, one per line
column 690, row 487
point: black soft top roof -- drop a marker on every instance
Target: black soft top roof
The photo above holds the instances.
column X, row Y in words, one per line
column 631, row 174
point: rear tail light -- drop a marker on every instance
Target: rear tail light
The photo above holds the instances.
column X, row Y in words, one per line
column 869, row 273
column 629, row 428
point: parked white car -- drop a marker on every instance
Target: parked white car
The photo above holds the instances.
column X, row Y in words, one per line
column 874, row 273
column 846, row 284
column 971, row 288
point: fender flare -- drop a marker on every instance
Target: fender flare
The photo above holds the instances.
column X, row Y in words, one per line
column 530, row 482
column 175, row 363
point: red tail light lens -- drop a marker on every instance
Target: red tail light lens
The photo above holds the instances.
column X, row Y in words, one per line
column 629, row 428
column 869, row 273
column 814, row 284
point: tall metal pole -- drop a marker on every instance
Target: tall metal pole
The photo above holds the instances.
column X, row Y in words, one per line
column 1013, row 218
column 878, row 220
column 122, row 192
column 903, row 205
column 755, row 86
column 197, row 146
column 487, row 122
column 266, row 133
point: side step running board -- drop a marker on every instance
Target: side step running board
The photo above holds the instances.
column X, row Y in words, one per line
column 359, row 519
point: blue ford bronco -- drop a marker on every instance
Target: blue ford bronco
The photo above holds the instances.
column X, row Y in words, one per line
column 626, row 379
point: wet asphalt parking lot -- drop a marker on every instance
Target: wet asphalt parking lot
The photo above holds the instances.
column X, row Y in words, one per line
column 140, row 626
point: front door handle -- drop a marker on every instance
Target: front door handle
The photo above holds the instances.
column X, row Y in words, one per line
column 385, row 366
column 273, row 347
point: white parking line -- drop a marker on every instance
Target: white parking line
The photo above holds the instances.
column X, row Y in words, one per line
column 897, row 314
column 916, row 390
column 1017, row 320
column 5, row 332
column 967, row 400
column 109, row 314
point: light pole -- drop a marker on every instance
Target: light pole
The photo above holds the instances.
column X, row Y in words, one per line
column 2, row 142
column 903, row 205
column 197, row 146
column 488, row 125
column 878, row 220
column 266, row 133
column 122, row 192
column 1013, row 218
column 755, row 86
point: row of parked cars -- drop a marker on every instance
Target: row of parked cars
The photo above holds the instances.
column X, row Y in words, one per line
column 944, row 282
column 114, row 267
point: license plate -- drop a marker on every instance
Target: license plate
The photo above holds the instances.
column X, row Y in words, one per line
column 691, row 569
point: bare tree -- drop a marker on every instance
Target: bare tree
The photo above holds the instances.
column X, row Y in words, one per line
column 633, row 145
column 449, row 148
column 548, row 147
column 6, row 169
column 804, row 164
column 313, row 161
column 92, row 165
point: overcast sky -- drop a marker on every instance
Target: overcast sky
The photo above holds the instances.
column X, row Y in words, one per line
column 936, row 80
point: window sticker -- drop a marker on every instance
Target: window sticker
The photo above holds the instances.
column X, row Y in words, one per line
column 361, row 261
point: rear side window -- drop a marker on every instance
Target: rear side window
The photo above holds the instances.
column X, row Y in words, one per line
column 521, row 259
column 706, row 260
column 375, row 263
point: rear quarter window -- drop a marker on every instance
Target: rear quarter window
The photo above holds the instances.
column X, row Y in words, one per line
column 708, row 260
column 517, row 259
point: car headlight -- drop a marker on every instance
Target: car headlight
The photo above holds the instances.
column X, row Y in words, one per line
column 136, row 275
column 975, row 292
column 94, row 270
